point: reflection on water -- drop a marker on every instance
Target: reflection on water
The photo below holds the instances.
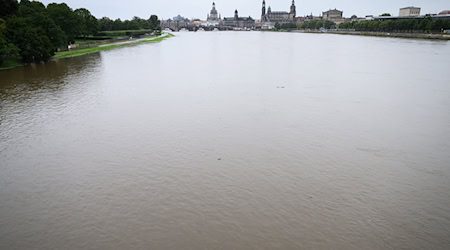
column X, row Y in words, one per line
column 234, row 140
column 24, row 89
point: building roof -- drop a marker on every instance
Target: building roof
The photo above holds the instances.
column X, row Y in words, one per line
column 411, row 7
column 239, row 19
column 335, row 10
column 444, row 12
column 279, row 12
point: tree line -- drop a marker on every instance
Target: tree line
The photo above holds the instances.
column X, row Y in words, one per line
column 137, row 23
column 425, row 25
column 32, row 32
column 285, row 26
column 402, row 25
column 317, row 24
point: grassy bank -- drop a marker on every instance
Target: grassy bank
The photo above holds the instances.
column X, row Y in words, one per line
column 10, row 64
column 80, row 52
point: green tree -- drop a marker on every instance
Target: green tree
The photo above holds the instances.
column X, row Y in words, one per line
column 155, row 24
column 8, row 7
column 89, row 24
column 105, row 24
column 33, row 43
column 277, row 26
column 386, row 14
column 7, row 49
column 65, row 17
column 36, row 15
column 118, row 25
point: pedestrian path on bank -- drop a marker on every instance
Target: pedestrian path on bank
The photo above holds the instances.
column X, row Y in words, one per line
column 135, row 40
column 110, row 46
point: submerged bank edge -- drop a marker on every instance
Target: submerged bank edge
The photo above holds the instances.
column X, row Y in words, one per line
column 81, row 52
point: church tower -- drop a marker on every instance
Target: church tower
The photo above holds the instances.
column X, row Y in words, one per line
column 293, row 10
column 263, row 14
column 236, row 15
column 213, row 15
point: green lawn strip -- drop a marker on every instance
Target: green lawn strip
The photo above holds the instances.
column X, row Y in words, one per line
column 80, row 52
column 10, row 64
column 124, row 39
column 125, row 31
column 83, row 41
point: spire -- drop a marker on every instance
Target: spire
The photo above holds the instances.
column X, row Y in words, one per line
column 263, row 12
column 293, row 9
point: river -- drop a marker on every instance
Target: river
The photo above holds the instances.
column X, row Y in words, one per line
column 230, row 140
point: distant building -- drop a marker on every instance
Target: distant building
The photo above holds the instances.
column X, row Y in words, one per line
column 312, row 18
column 409, row 11
column 239, row 22
column 278, row 16
column 179, row 18
column 444, row 12
column 213, row 15
column 196, row 22
column 332, row 15
column 176, row 23
column 355, row 18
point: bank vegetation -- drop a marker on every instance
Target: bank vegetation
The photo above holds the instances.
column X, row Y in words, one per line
column 31, row 32
column 423, row 25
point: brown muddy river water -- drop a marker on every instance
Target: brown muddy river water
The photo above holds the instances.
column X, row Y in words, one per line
column 234, row 140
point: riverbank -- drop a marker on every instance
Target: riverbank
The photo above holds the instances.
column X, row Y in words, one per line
column 445, row 37
column 103, row 47
column 10, row 65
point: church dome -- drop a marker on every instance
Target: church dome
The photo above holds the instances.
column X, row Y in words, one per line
column 214, row 11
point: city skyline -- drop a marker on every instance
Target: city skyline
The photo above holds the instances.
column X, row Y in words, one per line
column 199, row 9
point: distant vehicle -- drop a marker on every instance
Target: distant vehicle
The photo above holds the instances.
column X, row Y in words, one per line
column 184, row 30
column 323, row 30
column 215, row 29
column 201, row 29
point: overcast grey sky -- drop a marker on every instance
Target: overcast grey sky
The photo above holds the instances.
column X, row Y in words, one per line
column 126, row 9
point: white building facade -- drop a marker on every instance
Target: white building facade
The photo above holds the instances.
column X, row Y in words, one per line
column 409, row 11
